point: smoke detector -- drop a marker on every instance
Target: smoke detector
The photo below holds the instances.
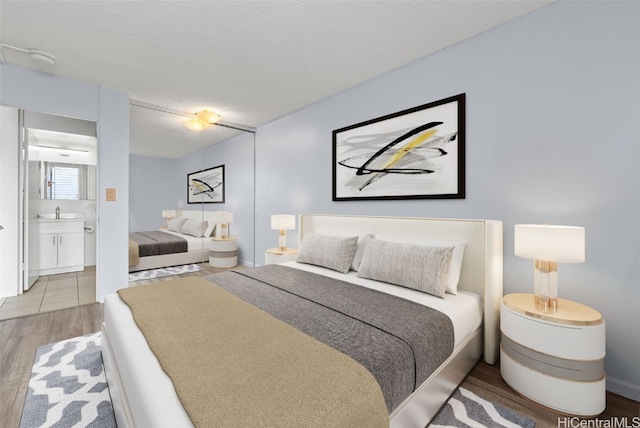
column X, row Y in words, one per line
column 36, row 56
column 41, row 57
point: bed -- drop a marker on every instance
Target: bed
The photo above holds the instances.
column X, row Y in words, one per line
column 137, row 382
column 191, row 249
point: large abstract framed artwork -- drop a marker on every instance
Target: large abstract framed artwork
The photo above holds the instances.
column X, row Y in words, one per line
column 417, row 153
column 206, row 186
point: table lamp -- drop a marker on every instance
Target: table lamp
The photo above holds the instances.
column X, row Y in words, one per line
column 282, row 223
column 222, row 219
column 168, row 214
column 547, row 246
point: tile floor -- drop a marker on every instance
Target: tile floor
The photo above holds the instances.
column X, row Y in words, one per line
column 52, row 292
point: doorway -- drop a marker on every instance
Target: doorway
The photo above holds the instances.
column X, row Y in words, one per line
column 55, row 194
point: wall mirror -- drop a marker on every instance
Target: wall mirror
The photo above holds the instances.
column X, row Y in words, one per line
column 164, row 154
column 62, row 165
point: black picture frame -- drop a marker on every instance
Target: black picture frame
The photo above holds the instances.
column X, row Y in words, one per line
column 418, row 153
column 206, row 186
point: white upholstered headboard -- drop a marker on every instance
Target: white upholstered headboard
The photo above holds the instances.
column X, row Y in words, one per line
column 481, row 267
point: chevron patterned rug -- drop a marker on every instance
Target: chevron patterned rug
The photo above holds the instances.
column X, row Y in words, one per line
column 464, row 409
column 68, row 389
column 157, row 273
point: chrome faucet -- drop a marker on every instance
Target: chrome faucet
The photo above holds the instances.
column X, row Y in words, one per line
column 57, row 213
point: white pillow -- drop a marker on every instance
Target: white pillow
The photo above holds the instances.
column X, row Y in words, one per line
column 455, row 265
column 419, row 267
column 194, row 227
column 175, row 224
column 333, row 252
column 362, row 243
column 209, row 230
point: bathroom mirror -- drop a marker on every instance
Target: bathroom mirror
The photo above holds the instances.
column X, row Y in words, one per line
column 63, row 181
column 61, row 165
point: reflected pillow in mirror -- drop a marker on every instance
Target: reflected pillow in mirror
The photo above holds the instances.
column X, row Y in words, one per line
column 175, row 224
column 194, row 227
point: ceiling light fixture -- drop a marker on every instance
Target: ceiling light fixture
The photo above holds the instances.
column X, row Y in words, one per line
column 203, row 119
column 224, row 124
column 208, row 116
column 36, row 56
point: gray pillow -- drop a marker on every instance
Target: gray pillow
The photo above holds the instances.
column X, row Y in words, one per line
column 419, row 267
column 194, row 227
column 362, row 244
column 333, row 252
column 175, row 224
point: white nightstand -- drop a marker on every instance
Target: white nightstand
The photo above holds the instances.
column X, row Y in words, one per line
column 554, row 359
column 275, row 255
column 223, row 253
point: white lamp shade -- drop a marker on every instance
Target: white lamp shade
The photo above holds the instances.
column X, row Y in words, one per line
column 564, row 244
column 168, row 213
column 222, row 217
column 283, row 222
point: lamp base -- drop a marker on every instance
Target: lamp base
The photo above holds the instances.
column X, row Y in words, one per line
column 546, row 304
column 545, row 286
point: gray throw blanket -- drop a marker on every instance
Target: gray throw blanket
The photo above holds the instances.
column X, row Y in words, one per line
column 155, row 243
column 400, row 342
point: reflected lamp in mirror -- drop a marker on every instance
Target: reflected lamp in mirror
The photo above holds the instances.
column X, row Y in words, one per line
column 222, row 219
column 282, row 223
column 548, row 245
column 168, row 214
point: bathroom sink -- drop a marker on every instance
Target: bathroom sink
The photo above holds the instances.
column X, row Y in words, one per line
column 63, row 216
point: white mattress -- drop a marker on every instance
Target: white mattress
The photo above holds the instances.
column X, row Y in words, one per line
column 150, row 391
column 193, row 243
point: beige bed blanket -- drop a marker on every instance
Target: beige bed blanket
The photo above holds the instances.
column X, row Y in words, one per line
column 134, row 253
column 233, row 365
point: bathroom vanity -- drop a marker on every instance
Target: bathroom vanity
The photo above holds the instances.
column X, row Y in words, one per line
column 60, row 244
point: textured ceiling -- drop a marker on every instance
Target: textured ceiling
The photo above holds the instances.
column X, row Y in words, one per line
column 250, row 61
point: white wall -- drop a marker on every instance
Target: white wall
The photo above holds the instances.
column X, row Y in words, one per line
column 553, row 101
column 28, row 89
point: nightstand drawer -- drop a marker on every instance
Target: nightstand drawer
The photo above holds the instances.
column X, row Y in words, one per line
column 566, row 396
column 564, row 340
column 554, row 358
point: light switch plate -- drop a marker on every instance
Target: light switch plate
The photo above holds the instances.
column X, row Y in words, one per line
column 111, row 194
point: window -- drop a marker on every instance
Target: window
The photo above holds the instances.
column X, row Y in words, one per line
column 64, row 181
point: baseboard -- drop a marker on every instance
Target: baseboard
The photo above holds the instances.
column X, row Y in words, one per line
column 623, row 388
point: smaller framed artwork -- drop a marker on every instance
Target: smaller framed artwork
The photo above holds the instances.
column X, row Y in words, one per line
column 206, row 186
column 417, row 153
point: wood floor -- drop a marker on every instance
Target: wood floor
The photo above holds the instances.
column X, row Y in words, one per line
column 20, row 337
